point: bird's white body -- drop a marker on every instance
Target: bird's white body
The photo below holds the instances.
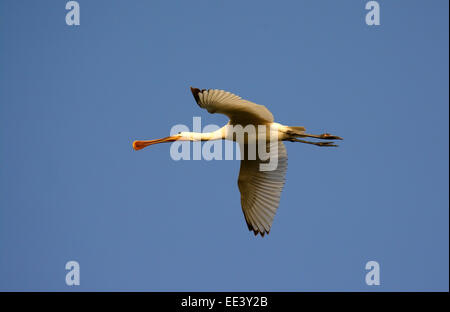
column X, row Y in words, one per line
column 250, row 124
column 273, row 130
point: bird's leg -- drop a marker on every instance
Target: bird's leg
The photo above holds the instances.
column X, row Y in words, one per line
column 314, row 143
column 324, row 136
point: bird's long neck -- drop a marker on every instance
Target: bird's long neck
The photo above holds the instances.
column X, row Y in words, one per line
column 205, row 136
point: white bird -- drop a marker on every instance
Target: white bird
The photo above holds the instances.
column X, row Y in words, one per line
column 260, row 190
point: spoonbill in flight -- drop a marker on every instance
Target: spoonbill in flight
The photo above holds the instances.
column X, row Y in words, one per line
column 260, row 189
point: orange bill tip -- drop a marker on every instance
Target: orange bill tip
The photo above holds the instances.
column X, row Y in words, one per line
column 138, row 144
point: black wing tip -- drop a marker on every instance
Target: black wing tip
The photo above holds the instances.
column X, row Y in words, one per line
column 256, row 231
column 195, row 92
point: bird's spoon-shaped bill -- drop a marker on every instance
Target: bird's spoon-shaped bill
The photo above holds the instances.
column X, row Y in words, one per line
column 140, row 144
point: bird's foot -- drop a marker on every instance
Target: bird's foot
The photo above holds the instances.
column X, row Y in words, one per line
column 327, row 136
column 325, row 144
column 330, row 144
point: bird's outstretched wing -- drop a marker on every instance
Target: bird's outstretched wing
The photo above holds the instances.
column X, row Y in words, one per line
column 261, row 190
column 239, row 111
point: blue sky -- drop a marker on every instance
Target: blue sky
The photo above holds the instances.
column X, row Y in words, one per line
column 73, row 98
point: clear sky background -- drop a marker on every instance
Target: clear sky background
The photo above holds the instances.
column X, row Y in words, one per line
column 72, row 100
